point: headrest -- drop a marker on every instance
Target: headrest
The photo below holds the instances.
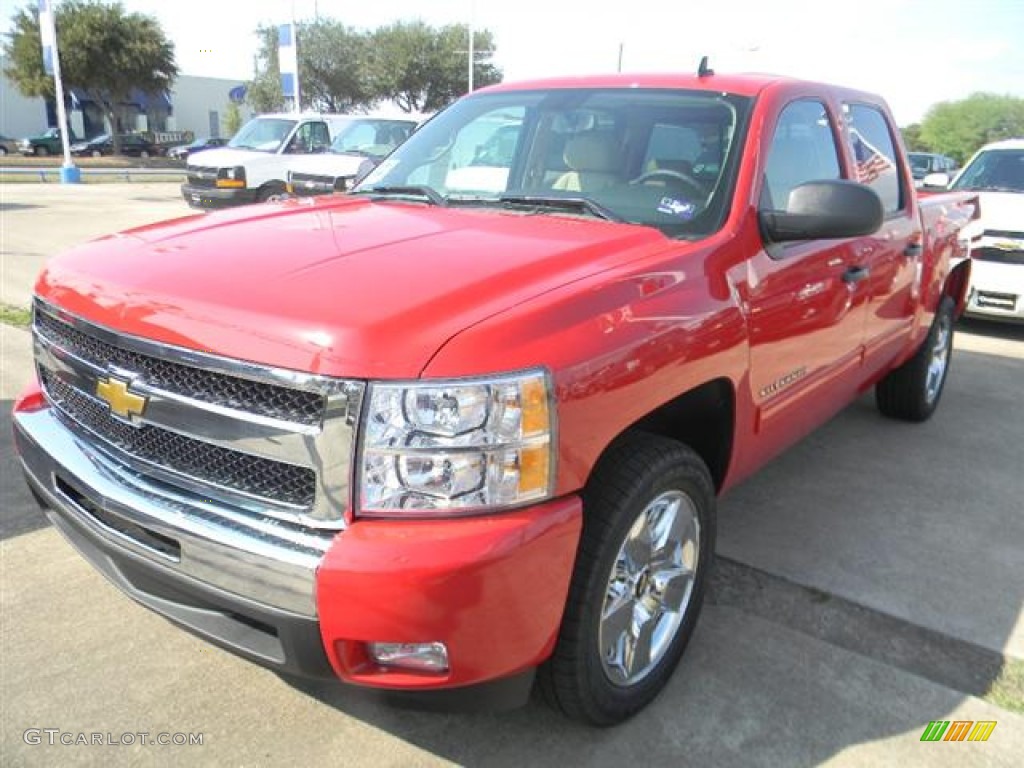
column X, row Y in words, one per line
column 592, row 152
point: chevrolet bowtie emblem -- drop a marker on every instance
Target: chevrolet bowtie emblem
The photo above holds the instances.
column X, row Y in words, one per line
column 123, row 403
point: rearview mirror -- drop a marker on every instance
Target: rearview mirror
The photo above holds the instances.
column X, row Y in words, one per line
column 823, row 210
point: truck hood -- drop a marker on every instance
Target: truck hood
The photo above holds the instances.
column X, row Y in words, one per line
column 337, row 286
column 226, row 157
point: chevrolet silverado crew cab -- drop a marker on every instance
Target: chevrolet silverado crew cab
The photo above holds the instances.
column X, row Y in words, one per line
column 253, row 167
column 463, row 429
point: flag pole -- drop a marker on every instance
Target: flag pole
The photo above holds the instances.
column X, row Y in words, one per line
column 69, row 174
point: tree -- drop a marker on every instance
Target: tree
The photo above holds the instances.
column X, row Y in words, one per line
column 104, row 52
column 232, row 118
column 332, row 67
column 912, row 138
column 958, row 128
column 423, row 69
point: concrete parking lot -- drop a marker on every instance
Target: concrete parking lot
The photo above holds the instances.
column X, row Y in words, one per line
column 870, row 580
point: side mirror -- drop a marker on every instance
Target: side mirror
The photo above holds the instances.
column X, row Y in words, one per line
column 824, row 210
column 936, row 181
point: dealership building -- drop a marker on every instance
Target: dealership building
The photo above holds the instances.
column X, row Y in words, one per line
column 195, row 104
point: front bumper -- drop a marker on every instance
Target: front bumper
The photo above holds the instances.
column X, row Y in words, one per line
column 491, row 588
column 212, row 197
column 996, row 291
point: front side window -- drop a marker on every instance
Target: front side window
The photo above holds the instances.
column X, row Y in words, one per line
column 994, row 170
column 874, row 154
column 803, row 149
column 655, row 157
column 371, row 138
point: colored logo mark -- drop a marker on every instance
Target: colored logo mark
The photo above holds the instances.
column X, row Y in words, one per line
column 958, row 730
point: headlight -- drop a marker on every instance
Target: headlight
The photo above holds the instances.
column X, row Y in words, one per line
column 456, row 447
column 231, row 177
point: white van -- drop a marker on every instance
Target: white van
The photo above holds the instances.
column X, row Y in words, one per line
column 253, row 167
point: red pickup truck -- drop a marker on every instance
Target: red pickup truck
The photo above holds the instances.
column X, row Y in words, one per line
column 469, row 422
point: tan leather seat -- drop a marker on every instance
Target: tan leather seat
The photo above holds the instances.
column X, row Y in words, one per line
column 593, row 160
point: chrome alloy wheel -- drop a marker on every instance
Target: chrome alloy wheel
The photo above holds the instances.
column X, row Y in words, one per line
column 649, row 588
column 939, row 360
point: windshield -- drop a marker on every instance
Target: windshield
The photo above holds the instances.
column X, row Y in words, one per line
column 998, row 170
column 371, row 138
column 263, row 134
column 919, row 162
column 663, row 158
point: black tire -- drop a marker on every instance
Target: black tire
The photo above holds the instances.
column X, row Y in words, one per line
column 912, row 391
column 41, row 151
column 3, row 151
column 96, row 153
column 633, row 475
column 144, row 153
column 272, row 192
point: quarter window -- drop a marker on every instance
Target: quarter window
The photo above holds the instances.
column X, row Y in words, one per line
column 874, row 154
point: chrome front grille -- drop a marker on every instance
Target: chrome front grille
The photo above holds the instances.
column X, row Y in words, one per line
column 210, row 387
column 263, row 441
column 198, row 176
column 227, row 469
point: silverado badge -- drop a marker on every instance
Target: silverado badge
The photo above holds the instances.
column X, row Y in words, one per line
column 123, row 403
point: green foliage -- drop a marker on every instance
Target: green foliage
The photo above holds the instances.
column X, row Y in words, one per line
column 232, row 119
column 912, row 138
column 104, row 52
column 958, row 128
column 423, row 69
column 420, row 68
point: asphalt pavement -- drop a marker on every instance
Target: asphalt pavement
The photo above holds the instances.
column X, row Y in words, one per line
column 870, row 580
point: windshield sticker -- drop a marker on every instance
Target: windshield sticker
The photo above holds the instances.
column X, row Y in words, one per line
column 677, row 208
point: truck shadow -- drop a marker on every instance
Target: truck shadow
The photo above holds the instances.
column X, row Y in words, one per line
column 19, row 512
column 868, row 582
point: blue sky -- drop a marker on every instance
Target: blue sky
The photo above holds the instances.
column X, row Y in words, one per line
column 913, row 52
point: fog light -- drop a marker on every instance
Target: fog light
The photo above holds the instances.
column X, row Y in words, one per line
column 420, row 657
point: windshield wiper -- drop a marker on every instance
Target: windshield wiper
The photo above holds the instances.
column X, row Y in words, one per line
column 568, row 204
column 407, row 190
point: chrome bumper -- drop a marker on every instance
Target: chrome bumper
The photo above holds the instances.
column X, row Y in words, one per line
column 187, row 541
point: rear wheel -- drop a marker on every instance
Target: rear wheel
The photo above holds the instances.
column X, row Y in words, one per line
column 144, row 153
column 97, row 153
column 912, row 391
column 638, row 585
column 41, row 151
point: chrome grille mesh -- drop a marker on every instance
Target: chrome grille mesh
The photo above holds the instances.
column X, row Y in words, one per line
column 220, row 389
column 252, row 475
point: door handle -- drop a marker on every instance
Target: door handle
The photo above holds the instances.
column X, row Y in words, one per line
column 855, row 275
column 913, row 250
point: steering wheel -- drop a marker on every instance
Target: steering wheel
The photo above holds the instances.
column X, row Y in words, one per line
column 668, row 173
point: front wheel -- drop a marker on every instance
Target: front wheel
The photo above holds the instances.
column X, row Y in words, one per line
column 912, row 391
column 638, row 585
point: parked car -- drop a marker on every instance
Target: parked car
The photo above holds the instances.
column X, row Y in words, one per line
column 132, row 145
column 924, row 163
column 8, row 146
column 359, row 145
column 46, row 143
column 996, row 239
column 437, row 438
column 184, row 151
column 254, row 165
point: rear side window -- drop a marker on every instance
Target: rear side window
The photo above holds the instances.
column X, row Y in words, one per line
column 874, row 154
column 803, row 149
